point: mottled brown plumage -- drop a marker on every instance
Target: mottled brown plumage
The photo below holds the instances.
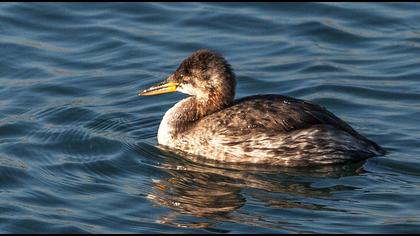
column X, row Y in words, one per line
column 263, row 129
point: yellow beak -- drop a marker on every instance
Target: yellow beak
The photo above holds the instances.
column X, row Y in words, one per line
column 159, row 89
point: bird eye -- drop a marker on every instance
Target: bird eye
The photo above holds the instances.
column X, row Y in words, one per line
column 181, row 75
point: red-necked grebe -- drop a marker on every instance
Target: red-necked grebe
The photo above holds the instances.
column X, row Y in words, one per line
column 261, row 129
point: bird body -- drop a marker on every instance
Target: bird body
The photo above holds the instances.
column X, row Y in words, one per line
column 262, row 129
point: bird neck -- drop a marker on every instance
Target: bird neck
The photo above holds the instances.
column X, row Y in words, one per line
column 186, row 113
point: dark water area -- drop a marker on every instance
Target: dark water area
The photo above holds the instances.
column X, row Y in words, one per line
column 78, row 148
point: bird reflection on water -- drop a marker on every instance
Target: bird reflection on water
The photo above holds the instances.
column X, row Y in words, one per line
column 201, row 194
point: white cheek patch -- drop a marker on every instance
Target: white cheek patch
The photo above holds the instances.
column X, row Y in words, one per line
column 186, row 88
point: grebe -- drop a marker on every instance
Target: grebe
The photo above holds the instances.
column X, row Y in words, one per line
column 261, row 129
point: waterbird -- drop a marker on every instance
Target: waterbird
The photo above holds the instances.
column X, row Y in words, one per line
column 264, row 129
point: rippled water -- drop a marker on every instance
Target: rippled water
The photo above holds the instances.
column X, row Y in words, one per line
column 78, row 146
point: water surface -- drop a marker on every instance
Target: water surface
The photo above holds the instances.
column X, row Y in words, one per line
column 78, row 147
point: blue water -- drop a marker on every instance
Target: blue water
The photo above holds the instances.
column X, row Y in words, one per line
column 78, row 149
